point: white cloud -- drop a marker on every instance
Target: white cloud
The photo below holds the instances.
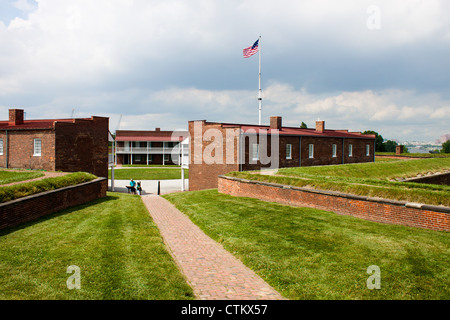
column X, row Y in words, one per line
column 24, row 5
column 127, row 57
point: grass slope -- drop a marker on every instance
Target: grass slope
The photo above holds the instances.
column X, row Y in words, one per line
column 366, row 179
column 7, row 176
column 113, row 241
column 311, row 254
column 377, row 170
column 13, row 192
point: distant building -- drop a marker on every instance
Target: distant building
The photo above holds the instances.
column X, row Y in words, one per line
column 68, row 145
column 220, row 148
column 147, row 147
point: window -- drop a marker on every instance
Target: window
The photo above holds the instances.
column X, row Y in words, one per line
column 255, row 152
column 289, row 151
column 334, row 151
column 311, row 151
column 1, row 147
column 367, row 150
column 350, row 150
column 37, row 147
column 166, row 157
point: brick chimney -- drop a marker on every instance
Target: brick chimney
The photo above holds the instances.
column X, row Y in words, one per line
column 320, row 126
column 275, row 123
column 157, row 129
column 15, row 117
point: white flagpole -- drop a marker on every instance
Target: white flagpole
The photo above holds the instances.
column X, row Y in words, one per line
column 260, row 91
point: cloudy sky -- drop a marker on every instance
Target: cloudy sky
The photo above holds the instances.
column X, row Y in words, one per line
column 378, row 65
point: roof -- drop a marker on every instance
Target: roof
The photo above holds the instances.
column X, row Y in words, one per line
column 293, row 131
column 154, row 139
column 143, row 135
column 35, row 124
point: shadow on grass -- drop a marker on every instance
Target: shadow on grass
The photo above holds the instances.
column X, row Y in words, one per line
column 51, row 216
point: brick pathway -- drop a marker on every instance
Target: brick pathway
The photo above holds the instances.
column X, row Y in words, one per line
column 213, row 272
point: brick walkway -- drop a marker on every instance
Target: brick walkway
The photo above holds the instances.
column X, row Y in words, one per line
column 213, row 273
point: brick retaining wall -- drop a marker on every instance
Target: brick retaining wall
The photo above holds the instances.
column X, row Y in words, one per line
column 30, row 208
column 442, row 178
column 373, row 209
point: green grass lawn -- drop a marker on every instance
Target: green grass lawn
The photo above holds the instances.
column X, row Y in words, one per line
column 150, row 166
column 148, row 174
column 382, row 159
column 311, row 254
column 113, row 241
column 420, row 155
column 7, row 176
column 380, row 171
column 373, row 179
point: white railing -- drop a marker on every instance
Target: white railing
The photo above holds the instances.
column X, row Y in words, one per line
column 176, row 150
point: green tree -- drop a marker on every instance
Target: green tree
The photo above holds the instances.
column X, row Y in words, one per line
column 303, row 126
column 379, row 146
column 389, row 146
column 446, row 147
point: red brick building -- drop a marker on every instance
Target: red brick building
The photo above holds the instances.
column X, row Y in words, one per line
column 219, row 148
column 148, row 147
column 68, row 145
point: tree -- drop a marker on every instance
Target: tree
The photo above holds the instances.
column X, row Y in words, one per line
column 303, row 126
column 389, row 146
column 446, row 147
column 379, row 146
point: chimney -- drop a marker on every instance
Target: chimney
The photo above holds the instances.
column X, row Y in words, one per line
column 275, row 123
column 157, row 129
column 15, row 117
column 320, row 126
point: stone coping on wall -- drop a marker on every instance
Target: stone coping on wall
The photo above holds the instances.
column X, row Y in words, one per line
column 436, row 178
column 441, row 209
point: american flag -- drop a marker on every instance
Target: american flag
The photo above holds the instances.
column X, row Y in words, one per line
column 248, row 52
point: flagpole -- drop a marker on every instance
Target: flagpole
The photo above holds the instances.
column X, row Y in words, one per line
column 260, row 91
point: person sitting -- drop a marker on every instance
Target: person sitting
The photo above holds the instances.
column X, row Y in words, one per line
column 133, row 186
column 139, row 188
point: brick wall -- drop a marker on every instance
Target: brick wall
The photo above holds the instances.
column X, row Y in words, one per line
column 203, row 175
column 82, row 146
column 378, row 210
column 33, row 207
column 442, row 178
column 18, row 147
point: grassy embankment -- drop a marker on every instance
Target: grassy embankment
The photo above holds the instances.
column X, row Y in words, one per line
column 10, row 176
column 113, row 241
column 377, row 179
column 415, row 155
column 8, row 193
